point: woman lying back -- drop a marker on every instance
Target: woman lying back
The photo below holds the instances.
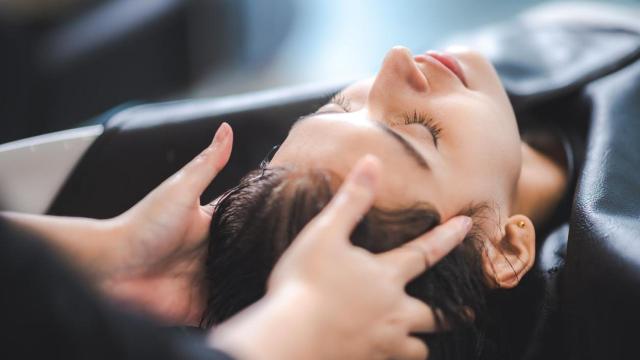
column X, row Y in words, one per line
column 448, row 140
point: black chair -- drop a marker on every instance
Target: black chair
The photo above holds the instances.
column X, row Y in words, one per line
column 142, row 146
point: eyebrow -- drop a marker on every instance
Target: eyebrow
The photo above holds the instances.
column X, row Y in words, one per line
column 409, row 149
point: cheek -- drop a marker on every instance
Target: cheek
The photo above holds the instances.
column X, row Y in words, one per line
column 492, row 120
column 480, row 73
column 491, row 148
column 483, row 155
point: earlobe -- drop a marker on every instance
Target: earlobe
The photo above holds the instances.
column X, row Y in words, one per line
column 509, row 258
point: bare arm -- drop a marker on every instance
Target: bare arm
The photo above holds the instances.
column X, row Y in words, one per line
column 90, row 244
column 151, row 256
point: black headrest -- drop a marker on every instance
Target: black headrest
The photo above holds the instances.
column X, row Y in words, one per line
column 144, row 145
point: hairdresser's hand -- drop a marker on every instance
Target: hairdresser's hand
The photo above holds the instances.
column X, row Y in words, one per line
column 328, row 299
column 161, row 259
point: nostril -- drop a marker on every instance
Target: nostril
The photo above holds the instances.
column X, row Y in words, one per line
column 418, row 79
column 399, row 65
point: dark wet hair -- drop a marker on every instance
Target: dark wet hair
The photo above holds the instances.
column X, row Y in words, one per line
column 257, row 220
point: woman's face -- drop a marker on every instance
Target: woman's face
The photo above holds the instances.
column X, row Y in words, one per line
column 441, row 139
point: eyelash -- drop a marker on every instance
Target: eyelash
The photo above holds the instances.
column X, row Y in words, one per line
column 429, row 123
column 341, row 101
column 414, row 118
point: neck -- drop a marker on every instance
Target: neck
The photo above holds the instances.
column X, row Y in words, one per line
column 542, row 183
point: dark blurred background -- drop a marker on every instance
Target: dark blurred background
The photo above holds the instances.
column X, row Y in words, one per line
column 64, row 63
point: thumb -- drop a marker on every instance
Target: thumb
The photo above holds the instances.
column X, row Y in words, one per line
column 351, row 202
column 199, row 172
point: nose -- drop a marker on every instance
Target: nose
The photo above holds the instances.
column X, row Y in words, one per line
column 398, row 77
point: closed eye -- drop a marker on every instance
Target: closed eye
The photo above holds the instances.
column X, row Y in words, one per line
column 414, row 118
column 343, row 104
column 340, row 101
column 427, row 122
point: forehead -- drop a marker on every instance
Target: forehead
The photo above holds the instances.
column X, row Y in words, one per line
column 334, row 143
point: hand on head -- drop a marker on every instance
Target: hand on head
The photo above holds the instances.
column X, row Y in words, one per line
column 329, row 299
column 160, row 261
column 326, row 297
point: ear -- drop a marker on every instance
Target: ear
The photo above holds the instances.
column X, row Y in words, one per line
column 508, row 259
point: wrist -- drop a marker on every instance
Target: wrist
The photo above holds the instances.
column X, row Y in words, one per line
column 283, row 325
column 94, row 245
column 112, row 237
column 89, row 244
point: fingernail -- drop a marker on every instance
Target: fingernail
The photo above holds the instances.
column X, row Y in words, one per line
column 366, row 174
column 221, row 134
column 465, row 223
column 364, row 178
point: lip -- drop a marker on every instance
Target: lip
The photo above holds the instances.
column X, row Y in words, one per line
column 450, row 62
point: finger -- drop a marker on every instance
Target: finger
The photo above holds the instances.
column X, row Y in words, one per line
column 416, row 256
column 200, row 171
column 412, row 348
column 421, row 318
column 353, row 199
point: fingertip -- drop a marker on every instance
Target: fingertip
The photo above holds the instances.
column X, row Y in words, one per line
column 355, row 196
column 359, row 188
column 464, row 223
column 223, row 143
column 366, row 172
column 223, row 134
column 227, row 128
column 371, row 162
column 455, row 229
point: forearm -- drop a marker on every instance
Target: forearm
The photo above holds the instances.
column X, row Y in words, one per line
column 276, row 327
column 52, row 313
column 91, row 245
